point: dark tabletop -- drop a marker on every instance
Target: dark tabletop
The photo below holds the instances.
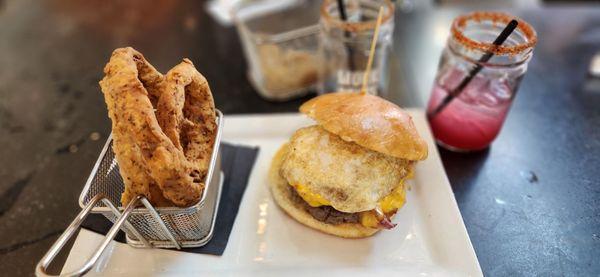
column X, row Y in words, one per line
column 531, row 203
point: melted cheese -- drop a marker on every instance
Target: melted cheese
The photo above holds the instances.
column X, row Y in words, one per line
column 369, row 219
column 313, row 199
column 389, row 204
column 394, row 200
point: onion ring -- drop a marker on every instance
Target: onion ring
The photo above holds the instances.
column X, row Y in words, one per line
column 164, row 162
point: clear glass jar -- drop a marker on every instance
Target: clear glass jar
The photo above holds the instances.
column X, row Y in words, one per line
column 344, row 45
column 280, row 43
column 475, row 115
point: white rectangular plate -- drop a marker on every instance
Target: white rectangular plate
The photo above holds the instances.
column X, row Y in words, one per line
column 430, row 239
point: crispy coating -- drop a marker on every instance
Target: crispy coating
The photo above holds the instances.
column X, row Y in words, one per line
column 131, row 163
column 186, row 113
column 352, row 178
column 150, row 161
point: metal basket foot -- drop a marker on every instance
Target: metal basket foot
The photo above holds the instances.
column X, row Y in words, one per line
column 42, row 266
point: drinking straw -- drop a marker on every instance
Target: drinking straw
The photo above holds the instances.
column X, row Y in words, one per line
column 363, row 90
column 342, row 10
column 510, row 27
column 344, row 17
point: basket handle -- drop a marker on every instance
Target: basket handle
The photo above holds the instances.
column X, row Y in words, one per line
column 42, row 266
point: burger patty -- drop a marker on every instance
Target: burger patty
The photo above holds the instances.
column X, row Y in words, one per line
column 325, row 214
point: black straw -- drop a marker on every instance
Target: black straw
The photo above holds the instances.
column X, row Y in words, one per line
column 510, row 27
column 344, row 17
column 342, row 10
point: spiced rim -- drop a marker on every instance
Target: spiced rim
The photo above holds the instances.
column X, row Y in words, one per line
column 356, row 26
column 496, row 17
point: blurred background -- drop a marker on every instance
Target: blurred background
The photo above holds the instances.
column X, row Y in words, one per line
column 53, row 119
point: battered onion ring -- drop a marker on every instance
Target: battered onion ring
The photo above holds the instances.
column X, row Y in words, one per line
column 131, row 163
column 186, row 114
column 150, row 161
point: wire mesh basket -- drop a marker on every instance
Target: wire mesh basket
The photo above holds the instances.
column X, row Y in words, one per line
column 144, row 226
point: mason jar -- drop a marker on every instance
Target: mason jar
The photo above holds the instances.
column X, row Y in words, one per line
column 345, row 45
column 475, row 113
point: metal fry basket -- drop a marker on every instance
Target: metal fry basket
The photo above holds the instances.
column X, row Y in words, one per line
column 145, row 226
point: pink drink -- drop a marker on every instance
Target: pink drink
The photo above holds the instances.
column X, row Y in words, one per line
column 478, row 47
column 472, row 120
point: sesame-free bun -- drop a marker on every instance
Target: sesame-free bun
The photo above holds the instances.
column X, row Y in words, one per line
column 368, row 121
column 281, row 191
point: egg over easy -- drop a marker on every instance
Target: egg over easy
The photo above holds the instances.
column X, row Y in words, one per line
column 345, row 175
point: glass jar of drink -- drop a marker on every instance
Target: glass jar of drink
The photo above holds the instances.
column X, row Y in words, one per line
column 345, row 43
column 472, row 118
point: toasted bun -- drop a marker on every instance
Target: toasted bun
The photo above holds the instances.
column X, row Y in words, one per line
column 283, row 198
column 368, row 121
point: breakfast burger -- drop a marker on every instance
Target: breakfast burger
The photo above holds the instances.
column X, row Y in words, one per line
column 345, row 175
